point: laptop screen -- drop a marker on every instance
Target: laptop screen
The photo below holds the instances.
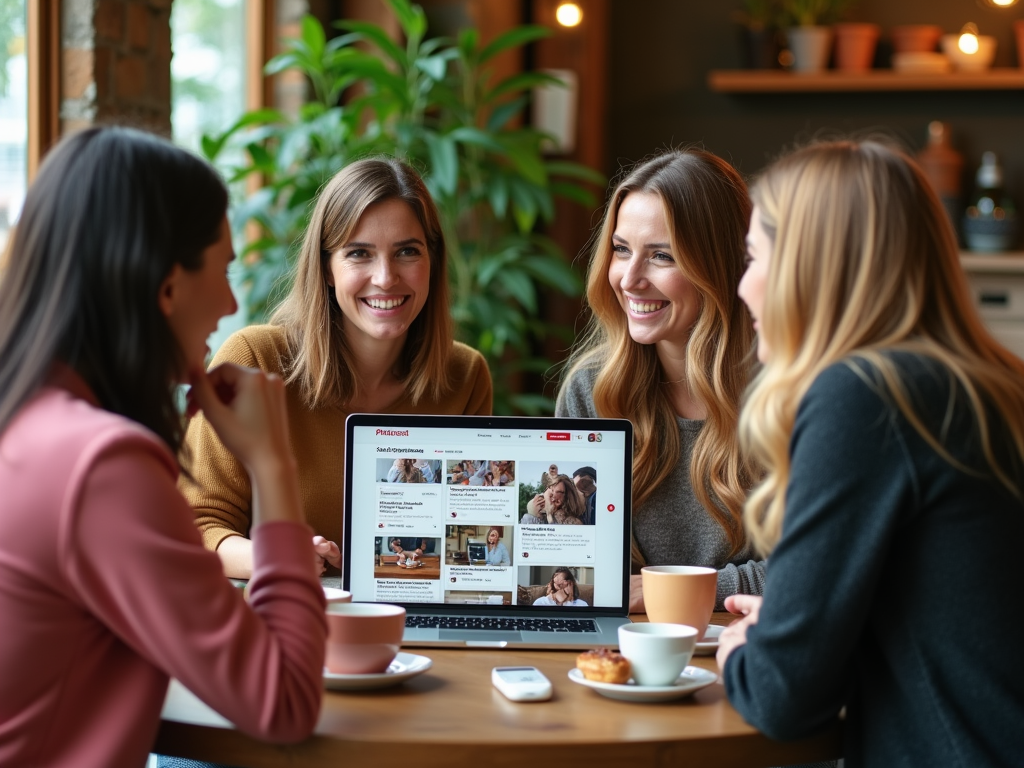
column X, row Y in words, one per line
column 473, row 513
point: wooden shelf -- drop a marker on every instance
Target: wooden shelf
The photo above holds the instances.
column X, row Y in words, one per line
column 998, row 263
column 775, row 81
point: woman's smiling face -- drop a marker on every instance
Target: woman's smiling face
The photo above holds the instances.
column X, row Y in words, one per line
column 661, row 305
column 381, row 276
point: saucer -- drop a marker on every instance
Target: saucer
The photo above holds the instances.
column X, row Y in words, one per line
column 709, row 645
column 690, row 681
column 404, row 666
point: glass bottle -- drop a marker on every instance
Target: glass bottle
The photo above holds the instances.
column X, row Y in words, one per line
column 944, row 168
column 990, row 221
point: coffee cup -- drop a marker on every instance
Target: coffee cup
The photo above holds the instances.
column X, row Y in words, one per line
column 335, row 595
column 363, row 638
column 657, row 653
column 680, row 594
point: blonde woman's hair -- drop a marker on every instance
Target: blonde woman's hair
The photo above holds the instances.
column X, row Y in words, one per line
column 864, row 261
column 707, row 210
column 321, row 363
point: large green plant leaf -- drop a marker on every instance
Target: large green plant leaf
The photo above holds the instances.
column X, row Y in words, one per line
column 514, row 38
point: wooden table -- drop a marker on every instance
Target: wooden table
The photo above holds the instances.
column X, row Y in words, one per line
column 451, row 716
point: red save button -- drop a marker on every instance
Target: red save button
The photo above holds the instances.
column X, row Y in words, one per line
column 558, row 435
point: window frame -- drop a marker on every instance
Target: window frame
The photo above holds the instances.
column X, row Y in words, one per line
column 44, row 70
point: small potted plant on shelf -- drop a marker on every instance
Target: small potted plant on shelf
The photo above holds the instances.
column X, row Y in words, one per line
column 759, row 33
column 810, row 39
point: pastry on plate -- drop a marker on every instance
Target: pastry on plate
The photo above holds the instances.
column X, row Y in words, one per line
column 603, row 666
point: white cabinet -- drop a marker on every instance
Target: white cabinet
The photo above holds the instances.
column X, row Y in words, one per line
column 997, row 287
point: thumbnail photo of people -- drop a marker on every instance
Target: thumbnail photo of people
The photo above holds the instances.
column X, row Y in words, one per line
column 407, row 557
column 559, row 586
column 481, row 473
column 478, row 545
column 562, row 495
column 408, row 470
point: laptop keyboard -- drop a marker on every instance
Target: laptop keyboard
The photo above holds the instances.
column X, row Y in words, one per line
column 506, row 624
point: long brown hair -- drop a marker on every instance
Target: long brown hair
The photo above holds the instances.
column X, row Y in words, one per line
column 321, row 362
column 864, row 261
column 708, row 210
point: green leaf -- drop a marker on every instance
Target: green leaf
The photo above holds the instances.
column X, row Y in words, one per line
column 467, row 43
column 552, row 271
column 498, row 194
column 467, row 134
column 576, row 171
column 512, row 39
column 502, row 113
column 410, row 17
column 377, row 36
column 281, row 62
column 313, row 36
column 573, row 192
column 434, row 66
column 524, row 81
column 444, row 162
column 523, row 152
column 212, row 146
column 520, row 287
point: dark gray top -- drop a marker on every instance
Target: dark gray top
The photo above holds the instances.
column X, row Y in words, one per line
column 672, row 527
column 895, row 587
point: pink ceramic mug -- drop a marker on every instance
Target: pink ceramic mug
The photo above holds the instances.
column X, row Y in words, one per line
column 363, row 638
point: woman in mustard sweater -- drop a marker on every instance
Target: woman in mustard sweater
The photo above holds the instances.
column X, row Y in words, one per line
column 366, row 327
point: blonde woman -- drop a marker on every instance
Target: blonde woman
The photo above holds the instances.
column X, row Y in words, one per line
column 366, row 327
column 669, row 347
column 891, row 426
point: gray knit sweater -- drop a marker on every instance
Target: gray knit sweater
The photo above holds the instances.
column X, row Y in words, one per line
column 672, row 527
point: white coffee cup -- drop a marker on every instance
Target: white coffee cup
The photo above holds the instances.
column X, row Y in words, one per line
column 657, row 653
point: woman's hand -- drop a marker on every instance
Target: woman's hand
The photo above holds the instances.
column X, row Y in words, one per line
column 327, row 553
column 735, row 635
column 246, row 408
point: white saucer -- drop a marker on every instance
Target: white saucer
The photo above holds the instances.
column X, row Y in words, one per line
column 404, row 666
column 691, row 680
column 709, row 645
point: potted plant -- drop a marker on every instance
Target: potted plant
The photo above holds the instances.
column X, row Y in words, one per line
column 810, row 39
column 430, row 102
column 758, row 24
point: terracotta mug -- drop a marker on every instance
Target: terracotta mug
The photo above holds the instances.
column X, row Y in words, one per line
column 680, row 594
column 363, row 638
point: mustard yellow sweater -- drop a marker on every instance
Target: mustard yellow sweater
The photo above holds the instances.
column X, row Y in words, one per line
column 221, row 494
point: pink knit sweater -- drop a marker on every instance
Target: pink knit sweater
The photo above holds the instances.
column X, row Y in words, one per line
column 106, row 591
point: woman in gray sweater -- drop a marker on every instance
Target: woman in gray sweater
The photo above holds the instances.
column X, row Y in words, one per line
column 669, row 348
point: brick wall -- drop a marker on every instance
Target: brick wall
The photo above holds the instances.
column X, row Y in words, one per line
column 116, row 63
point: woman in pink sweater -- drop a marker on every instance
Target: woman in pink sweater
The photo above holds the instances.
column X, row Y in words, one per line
column 116, row 275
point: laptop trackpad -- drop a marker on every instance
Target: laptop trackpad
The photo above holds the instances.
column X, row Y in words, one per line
column 480, row 635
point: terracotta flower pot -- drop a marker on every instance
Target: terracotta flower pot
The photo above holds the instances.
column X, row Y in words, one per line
column 915, row 38
column 810, row 47
column 855, row 46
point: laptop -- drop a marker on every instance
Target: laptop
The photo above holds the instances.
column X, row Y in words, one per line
column 474, row 557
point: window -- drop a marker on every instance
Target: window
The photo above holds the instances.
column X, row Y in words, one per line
column 13, row 113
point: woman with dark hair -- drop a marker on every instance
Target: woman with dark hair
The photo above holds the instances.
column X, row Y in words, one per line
column 669, row 348
column 891, row 426
column 365, row 328
column 562, row 590
column 116, row 275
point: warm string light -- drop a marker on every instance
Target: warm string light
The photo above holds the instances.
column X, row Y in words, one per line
column 1002, row 3
column 968, row 42
column 569, row 14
